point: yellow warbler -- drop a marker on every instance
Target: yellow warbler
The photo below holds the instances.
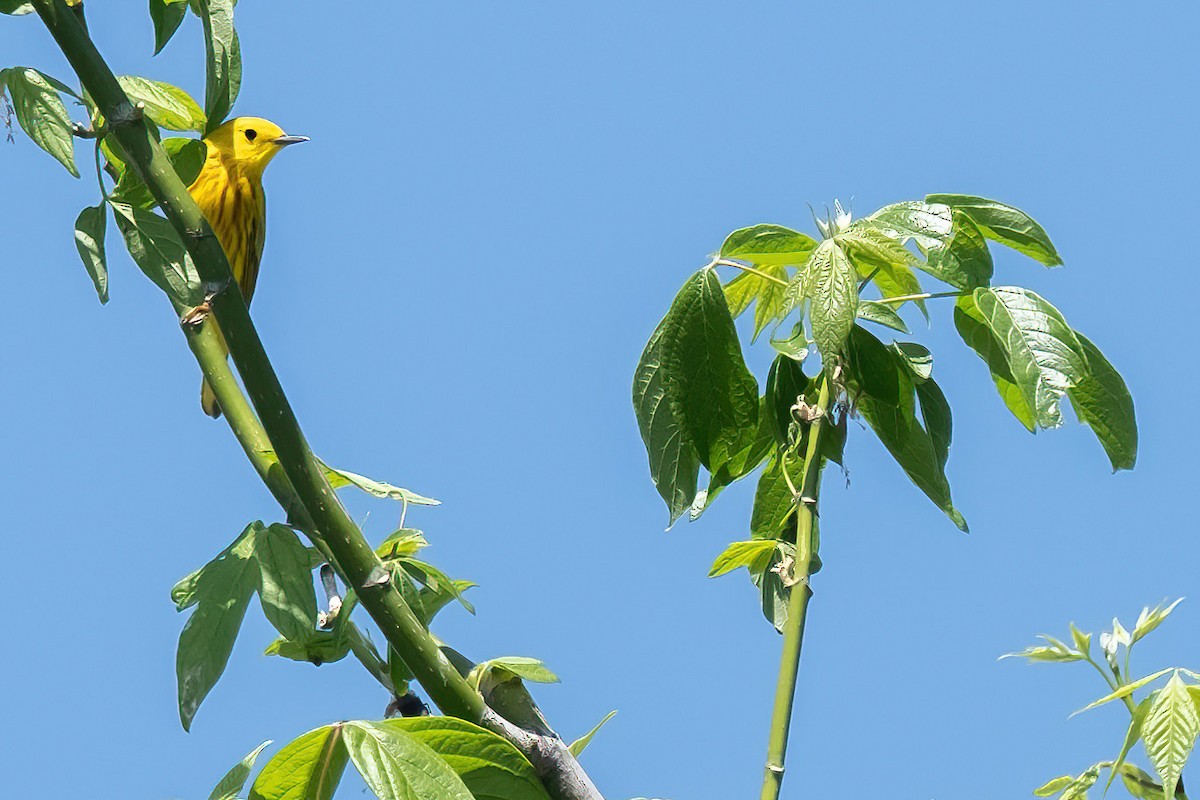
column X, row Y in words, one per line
column 230, row 194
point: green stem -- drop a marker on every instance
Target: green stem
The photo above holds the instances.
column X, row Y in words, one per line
column 722, row 262
column 362, row 568
column 1112, row 683
column 793, row 632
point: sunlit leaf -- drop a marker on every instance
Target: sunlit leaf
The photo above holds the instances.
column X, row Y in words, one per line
column 165, row 105
column 187, row 157
column 1169, row 732
column 40, row 112
column 309, row 768
column 223, row 79
column 969, row 322
column 833, row 286
column 1005, row 224
column 1148, row 620
column 1125, row 691
column 90, row 226
column 579, row 745
column 230, row 786
column 285, row 584
column 166, row 17
column 1042, row 351
column 1132, row 735
column 490, row 767
column 768, row 245
column 754, row 555
column 396, row 765
column 881, row 314
column 156, row 249
column 963, row 261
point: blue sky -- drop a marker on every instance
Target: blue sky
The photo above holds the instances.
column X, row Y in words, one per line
column 498, row 203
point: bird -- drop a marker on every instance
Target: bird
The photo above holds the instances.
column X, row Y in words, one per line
column 229, row 192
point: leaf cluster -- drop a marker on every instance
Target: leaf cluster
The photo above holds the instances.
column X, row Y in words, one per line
column 698, row 406
column 1166, row 720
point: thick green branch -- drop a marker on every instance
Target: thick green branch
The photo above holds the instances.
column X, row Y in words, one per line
column 793, row 632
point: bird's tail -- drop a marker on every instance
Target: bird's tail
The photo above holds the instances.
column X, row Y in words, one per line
column 208, row 401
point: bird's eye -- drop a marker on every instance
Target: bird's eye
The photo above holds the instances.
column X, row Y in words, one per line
column 251, row 134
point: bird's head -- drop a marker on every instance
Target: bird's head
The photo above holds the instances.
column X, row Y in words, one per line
column 250, row 142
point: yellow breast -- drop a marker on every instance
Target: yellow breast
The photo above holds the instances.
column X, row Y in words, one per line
column 234, row 204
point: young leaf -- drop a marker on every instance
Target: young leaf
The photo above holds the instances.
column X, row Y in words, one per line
column 754, row 555
column 1139, row 783
column 1102, row 400
column 165, row 105
column 929, row 225
column 89, row 241
column 158, row 252
column 231, row 785
column 490, row 767
column 1005, row 224
column 396, row 765
column 1170, row 731
column 436, row 580
column 884, row 260
column 529, row 669
column 222, row 592
column 971, row 327
column 674, row 464
column 881, row 314
column 309, row 768
column 1082, row 641
column 768, row 245
column 223, row 79
column 580, row 744
column 749, row 287
column 41, row 113
column 285, row 585
column 832, row 284
column 1054, row 651
column 1042, row 351
column 1149, row 620
column 1124, row 691
column 166, row 16
column 775, row 591
column 1053, row 787
column 401, row 543
column 339, row 477
column 1131, row 738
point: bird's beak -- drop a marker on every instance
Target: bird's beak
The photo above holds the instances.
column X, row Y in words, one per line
column 284, row 141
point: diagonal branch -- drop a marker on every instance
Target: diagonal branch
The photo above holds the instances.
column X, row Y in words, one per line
column 298, row 482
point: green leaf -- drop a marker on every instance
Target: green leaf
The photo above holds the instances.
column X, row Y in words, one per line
column 768, row 245
column 490, row 767
column 158, row 252
column 396, row 765
column 433, row 578
column 339, row 478
column 884, row 260
column 222, row 591
column 1053, row 787
column 1102, row 401
column 1124, row 691
column 401, row 543
column 16, row 7
column 187, row 157
column 919, row 452
column 971, row 327
column 964, row 260
column 796, row 346
column 529, row 669
column 774, row 591
column 231, row 785
column 881, row 314
column 674, row 464
column 749, row 287
column 1005, row 224
column 579, row 745
column 285, row 584
column 1042, row 351
column 1077, row 790
column 223, row 79
column 1053, row 651
column 873, row 369
column 1082, row 641
column 1139, row 784
column 930, row 226
column 309, row 768
column 41, row 113
column 165, row 105
column 917, row 358
column 434, row 600
column 774, row 503
column 786, row 384
column 831, row 283
column 754, row 555
column 1131, row 738
column 166, row 17
column 183, row 593
column 935, row 413
column 89, row 241
column 1148, row 620
column 694, row 397
column 1170, row 731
